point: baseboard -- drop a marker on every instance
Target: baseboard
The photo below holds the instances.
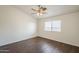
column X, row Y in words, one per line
column 19, row 40
column 58, row 41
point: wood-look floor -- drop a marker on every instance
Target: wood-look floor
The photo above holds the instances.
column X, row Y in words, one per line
column 39, row 45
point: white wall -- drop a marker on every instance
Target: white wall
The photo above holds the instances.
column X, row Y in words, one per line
column 69, row 31
column 15, row 25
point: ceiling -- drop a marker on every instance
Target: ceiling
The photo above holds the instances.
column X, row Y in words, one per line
column 53, row 10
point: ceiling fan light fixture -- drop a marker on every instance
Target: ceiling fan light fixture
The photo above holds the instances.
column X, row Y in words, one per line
column 40, row 10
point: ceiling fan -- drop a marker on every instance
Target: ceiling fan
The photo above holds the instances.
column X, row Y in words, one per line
column 40, row 10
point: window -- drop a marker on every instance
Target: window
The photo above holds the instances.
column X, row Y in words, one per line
column 53, row 25
column 48, row 26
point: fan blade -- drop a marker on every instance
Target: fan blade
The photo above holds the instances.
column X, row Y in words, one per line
column 34, row 9
column 43, row 8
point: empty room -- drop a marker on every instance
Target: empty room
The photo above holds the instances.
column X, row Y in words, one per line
column 39, row 28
